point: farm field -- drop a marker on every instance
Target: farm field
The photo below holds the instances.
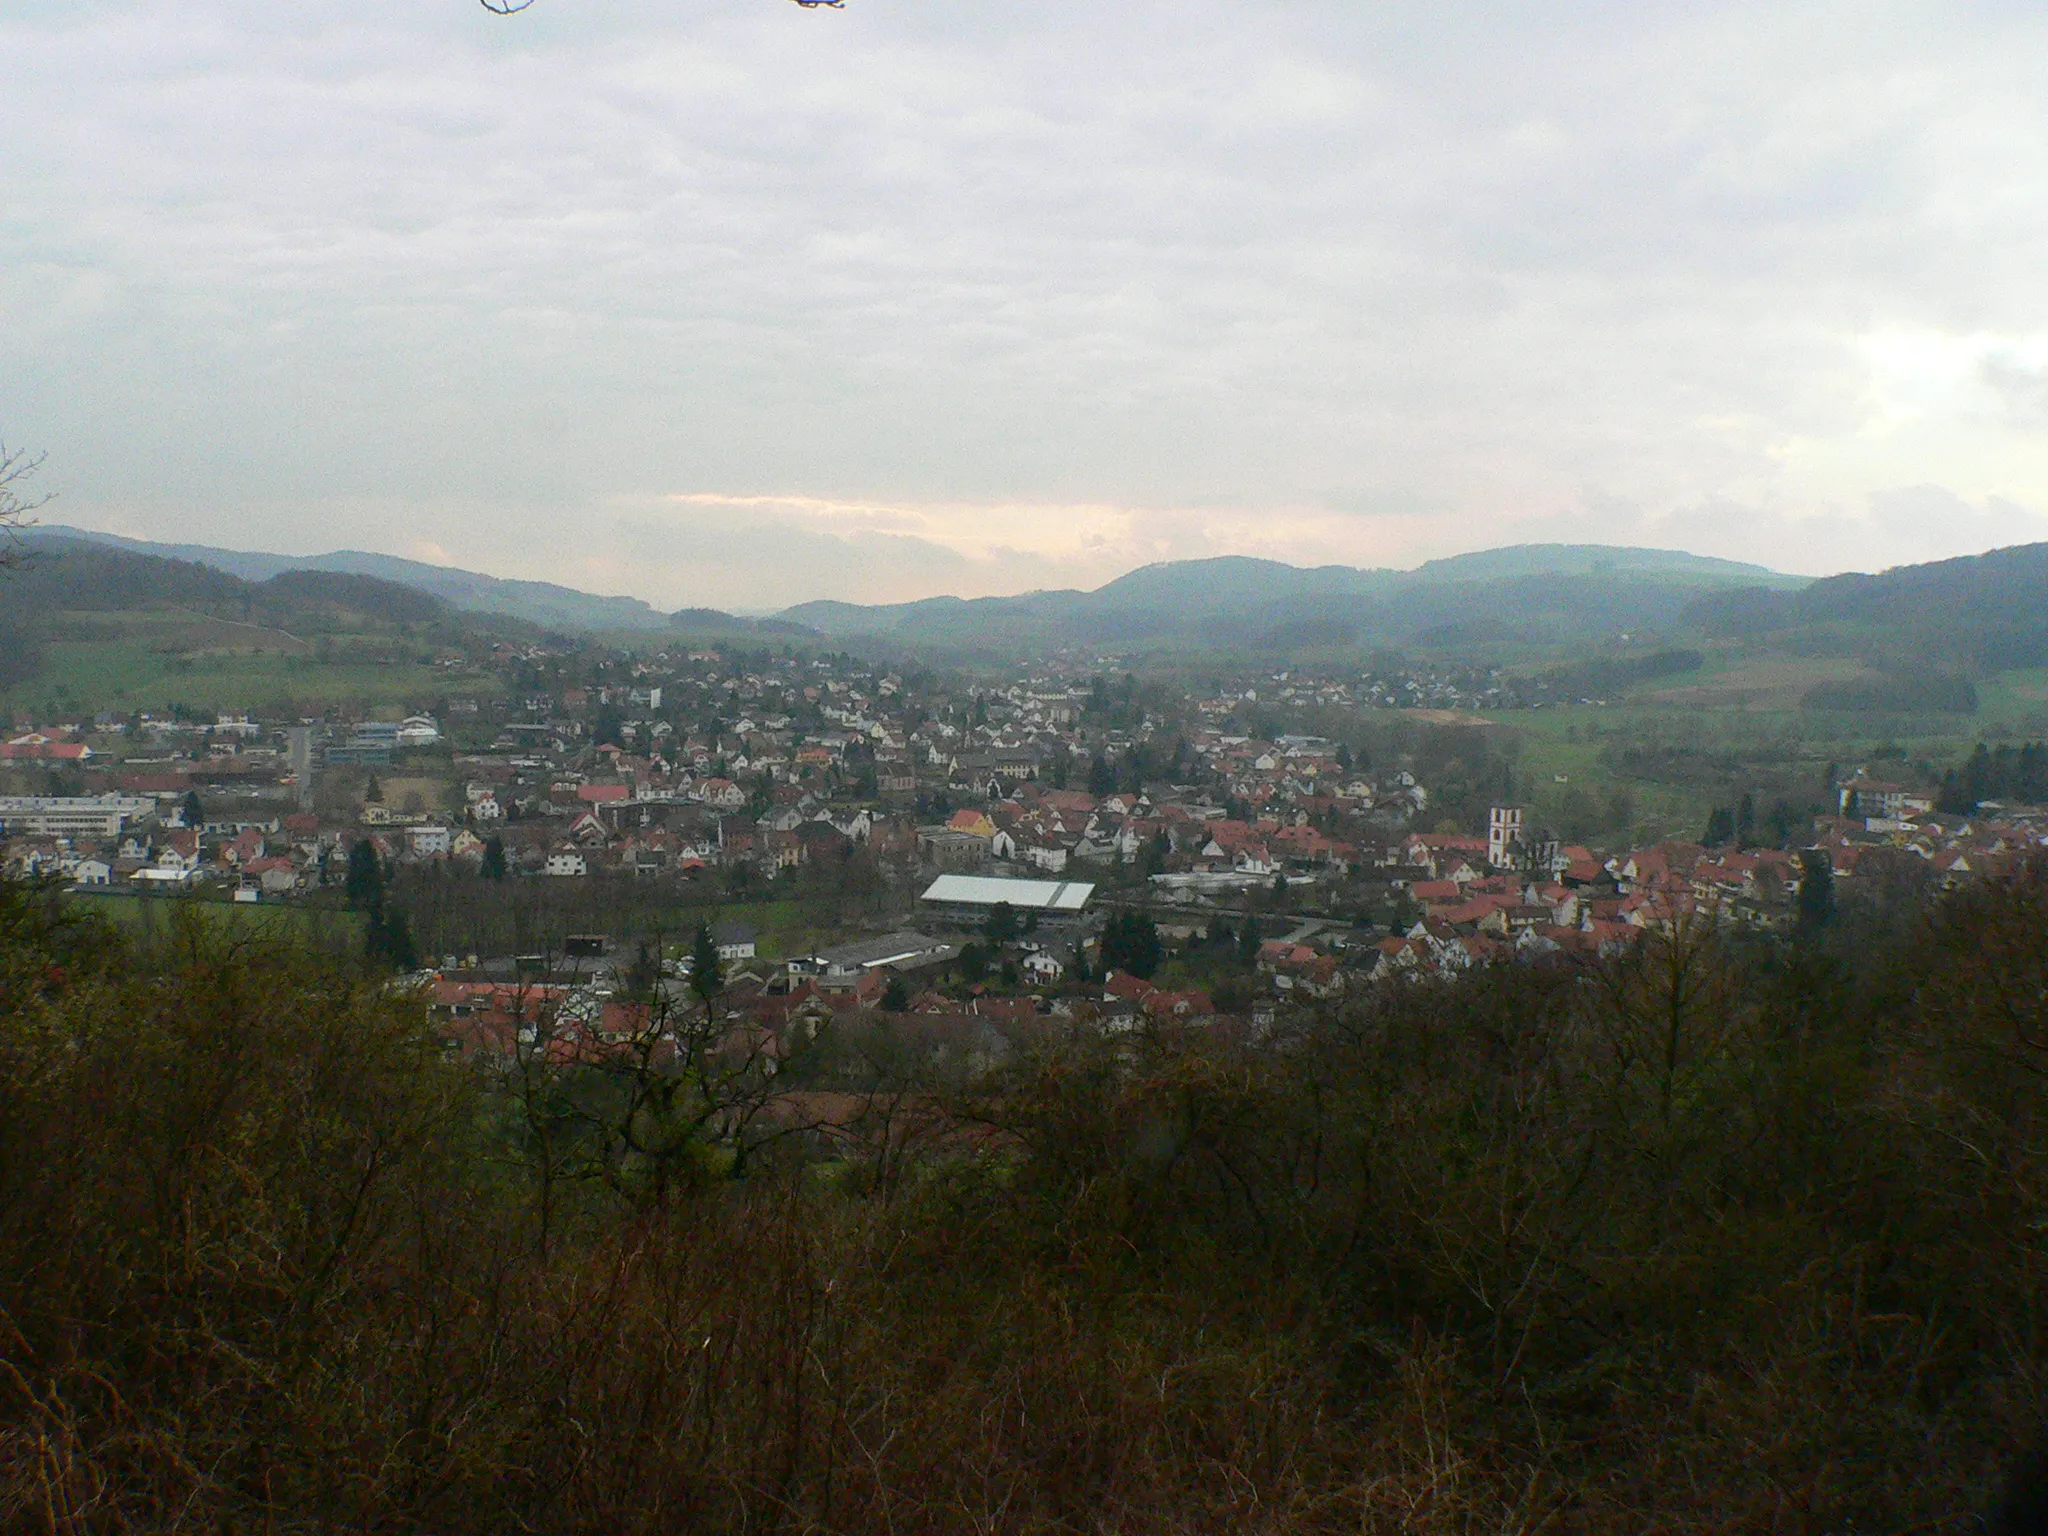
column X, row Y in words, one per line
column 1761, row 685
column 130, row 673
column 153, row 916
column 1679, row 762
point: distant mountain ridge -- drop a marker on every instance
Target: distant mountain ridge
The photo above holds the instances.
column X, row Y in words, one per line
column 1970, row 615
column 538, row 602
column 1537, row 593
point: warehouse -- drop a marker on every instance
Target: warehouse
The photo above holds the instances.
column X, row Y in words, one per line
column 970, row 898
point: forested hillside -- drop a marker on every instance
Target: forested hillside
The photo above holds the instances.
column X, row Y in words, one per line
column 93, row 598
column 1726, row 1235
column 536, row 602
column 1984, row 613
column 1529, row 595
column 81, row 578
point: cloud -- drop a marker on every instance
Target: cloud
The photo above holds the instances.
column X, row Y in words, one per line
column 894, row 298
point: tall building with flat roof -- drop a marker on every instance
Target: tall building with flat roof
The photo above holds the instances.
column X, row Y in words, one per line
column 72, row 815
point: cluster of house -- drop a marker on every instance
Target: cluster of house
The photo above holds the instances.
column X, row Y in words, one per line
column 98, row 841
column 1513, row 895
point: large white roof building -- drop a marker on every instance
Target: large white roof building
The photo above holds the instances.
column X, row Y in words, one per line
column 977, row 895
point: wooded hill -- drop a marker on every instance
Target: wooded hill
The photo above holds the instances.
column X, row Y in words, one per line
column 537, row 602
column 1982, row 613
column 1528, row 595
column 69, row 590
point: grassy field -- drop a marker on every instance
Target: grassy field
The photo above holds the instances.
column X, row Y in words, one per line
column 136, row 672
column 148, row 917
column 781, row 928
column 1680, row 753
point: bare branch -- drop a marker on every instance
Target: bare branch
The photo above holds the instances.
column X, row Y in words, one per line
column 514, row 7
column 17, row 467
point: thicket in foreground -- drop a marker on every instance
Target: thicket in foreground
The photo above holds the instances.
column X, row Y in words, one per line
column 1710, row 1239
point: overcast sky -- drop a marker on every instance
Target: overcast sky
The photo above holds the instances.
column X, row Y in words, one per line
column 738, row 303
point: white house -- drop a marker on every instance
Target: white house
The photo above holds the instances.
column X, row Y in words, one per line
column 427, row 842
column 1042, row 968
column 735, row 941
column 566, row 861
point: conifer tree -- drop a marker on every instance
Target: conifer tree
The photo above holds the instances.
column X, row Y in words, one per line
column 707, row 979
column 365, row 884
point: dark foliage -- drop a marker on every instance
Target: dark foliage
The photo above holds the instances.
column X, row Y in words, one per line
column 1980, row 614
column 1898, row 693
column 1616, row 675
column 1130, row 942
column 2005, row 773
column 1721, row 1236
column 366, row 595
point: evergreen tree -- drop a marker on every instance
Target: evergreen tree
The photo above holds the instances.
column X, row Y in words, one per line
column 1816, row 889
column 1248, row 940
column 707, row 979
column 1745, row 820
column 493, row 866
column 388, row 938
column 194, row 809
column 365, row 883
column 1002, row 924
column 373, row 792
column 643, row 976
column 1111, row 945
column 895, row 996
column 1130, row 943
column 1145, row 949
column 1720, row 827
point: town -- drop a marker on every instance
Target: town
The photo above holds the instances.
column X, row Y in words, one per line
column 1074, row 843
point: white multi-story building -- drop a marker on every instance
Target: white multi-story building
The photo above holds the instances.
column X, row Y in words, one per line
column 429, row 841
column 72, row 815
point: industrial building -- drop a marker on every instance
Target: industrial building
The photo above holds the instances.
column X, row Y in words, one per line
column 970, row 898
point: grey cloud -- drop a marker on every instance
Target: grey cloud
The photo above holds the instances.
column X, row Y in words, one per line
column 305, row 277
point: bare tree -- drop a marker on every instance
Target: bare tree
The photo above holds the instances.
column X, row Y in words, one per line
column 17, row 468
column 514, row 7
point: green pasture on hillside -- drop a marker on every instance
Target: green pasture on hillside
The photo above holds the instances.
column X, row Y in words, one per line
column 133, row 673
